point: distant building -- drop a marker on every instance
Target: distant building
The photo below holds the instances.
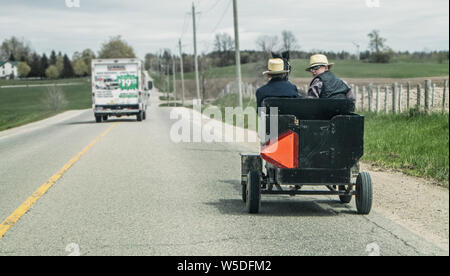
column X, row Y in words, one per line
column 8, row 69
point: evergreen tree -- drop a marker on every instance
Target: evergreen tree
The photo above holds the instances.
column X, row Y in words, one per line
column 12, row 58
column 53, row 58
column 68, row 69
column 35, row 65
column 44, row 65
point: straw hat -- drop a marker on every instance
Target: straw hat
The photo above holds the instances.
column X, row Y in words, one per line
column 316, row 60
column 275, row 67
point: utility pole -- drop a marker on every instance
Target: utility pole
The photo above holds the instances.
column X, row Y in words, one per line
column 238, row 53
column 197, row 82
column 182, row 73
column 357, row 50
column 174, row 82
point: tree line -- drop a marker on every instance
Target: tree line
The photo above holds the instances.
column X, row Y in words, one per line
column 223, row 53
column 59, row 65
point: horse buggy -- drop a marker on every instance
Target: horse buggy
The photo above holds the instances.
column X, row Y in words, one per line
column 316, row 151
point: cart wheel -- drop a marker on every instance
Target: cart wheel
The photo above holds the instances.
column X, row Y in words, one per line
column 105, row 118
column 253, row 192
column 98, row 119
column 344, row 198
column 144, row 115
column 139, row 116
column 363, row 193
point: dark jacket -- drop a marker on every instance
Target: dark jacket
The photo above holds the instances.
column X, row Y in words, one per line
column 331, row 86
column 276, row 87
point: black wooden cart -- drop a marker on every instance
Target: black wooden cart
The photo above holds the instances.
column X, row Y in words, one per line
column 319, row 143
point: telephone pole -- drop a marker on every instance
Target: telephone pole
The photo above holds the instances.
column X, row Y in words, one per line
column 197, row 82
column 174, row 81
column 182, row 72
column 238, row 53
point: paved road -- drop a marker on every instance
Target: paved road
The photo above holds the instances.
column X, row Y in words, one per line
column 135, row 192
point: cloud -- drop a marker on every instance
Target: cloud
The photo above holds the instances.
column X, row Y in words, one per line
column 149, row 25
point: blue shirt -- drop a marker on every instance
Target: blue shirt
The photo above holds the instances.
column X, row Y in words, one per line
column 276, row 87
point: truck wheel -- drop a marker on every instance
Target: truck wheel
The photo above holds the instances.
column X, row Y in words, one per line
column 363, row 193
column 139, row 116
column 344, row 198
column 105, row 117
column 253, row 193
column 98, row 118
column 244, row 191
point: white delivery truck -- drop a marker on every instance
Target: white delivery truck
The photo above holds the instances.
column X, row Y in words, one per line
column 120, row 87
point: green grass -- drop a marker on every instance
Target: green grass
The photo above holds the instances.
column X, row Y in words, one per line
column 19, row 106
column 344, row 69
column 414, row 143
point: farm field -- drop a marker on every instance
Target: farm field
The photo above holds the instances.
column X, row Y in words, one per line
column 343, row 68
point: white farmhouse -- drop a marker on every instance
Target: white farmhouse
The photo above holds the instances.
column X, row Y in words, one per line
column 7, row 68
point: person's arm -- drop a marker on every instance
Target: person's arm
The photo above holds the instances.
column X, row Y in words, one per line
column 315, row 89
column 350, row 94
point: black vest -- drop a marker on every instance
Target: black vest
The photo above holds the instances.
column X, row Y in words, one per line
column 332, row 87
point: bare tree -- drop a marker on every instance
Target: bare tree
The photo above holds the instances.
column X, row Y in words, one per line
column 267, row 43
column 223, row 42
column 376, row 41
column 289, row 41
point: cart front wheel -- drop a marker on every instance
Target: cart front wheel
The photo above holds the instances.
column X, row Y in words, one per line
column 364, row 193
column 253, row 192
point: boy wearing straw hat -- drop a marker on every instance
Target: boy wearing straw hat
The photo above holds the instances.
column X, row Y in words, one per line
column 325, row 84
column 277, row 86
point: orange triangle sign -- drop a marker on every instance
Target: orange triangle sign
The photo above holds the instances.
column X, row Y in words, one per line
column 284, row 152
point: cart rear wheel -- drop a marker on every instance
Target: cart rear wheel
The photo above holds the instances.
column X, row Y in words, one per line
column 364, row 193
column 344, row 198
column 139, row 116
column 105, row 117
column 98, row 118
column 253, row 192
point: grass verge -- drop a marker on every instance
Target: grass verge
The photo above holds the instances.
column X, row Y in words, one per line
column 413, row 142
column 19, row 106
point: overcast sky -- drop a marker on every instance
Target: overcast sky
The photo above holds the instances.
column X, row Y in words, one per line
column 149, row 25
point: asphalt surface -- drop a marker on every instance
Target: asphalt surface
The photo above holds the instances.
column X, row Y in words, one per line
column 136, row 192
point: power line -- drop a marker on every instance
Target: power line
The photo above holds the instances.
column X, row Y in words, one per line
column 212, row 7
column 185, row 25
column 222, row 17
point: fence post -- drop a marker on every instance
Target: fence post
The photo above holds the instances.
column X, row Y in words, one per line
column 370, row 96
column 418, row 97
column 433, row 91
column 378, row 100
column 400, row 98
column 394, row 98
column 356, row 96
column 362, row 97
column 427, row 95
column 386, row 89
column 408, row 91
column 444, row 95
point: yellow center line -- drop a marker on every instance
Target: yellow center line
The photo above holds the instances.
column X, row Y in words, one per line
column 26, row 205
